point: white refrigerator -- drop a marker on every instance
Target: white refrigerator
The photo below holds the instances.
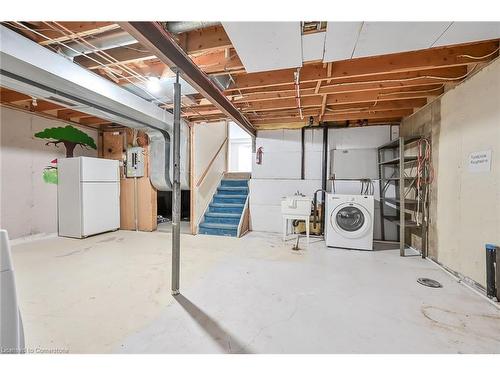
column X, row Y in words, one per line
column 88, row 196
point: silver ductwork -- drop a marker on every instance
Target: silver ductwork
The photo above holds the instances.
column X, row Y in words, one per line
column 185, row 26
column 104, row 41
column 120, row 38
column 36, row 71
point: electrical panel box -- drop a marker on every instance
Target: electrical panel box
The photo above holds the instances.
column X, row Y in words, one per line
column 135, row 162
column 354, row 164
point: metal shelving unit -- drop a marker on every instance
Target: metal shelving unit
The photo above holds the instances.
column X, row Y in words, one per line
column 397, row 168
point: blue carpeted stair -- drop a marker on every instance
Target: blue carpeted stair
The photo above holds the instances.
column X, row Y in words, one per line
column 224, row 212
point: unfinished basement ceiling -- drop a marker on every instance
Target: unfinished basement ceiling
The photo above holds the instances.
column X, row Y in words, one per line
column 334, row 84
column 313, row 46
column 265, row 46
column 345, row 40
column 458, row 32
column 164, row 89
column 380, row 38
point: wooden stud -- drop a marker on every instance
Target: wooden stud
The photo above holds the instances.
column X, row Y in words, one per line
column 318, row 86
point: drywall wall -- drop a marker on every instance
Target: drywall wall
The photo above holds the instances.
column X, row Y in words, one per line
column 28, row 205
column 240, row 149
column 279, row 174
column 207, row 139
column 465, row 205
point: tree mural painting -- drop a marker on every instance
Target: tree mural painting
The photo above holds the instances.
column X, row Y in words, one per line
column 69, row 136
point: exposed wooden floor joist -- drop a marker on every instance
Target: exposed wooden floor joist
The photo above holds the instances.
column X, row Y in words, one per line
column 396, row 82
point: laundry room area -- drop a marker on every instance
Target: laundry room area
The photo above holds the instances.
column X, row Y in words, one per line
column 298, row 187
column 298, row 163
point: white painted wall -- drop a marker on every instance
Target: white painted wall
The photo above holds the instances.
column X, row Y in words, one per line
column 280, row 172
column 28, row 205
column 240, row 149
column 208, row 137
column 468, row 204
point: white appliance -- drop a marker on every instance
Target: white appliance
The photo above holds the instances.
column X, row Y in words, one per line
column 11, row 324
column 349, row 221
column 88, row 196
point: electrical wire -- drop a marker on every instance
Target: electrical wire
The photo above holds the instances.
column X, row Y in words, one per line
column 72, row 49
column 424, row 174
column 111, row 59
column 297, row 92
column 410, row 92
column 480, row 57
column 367, row 187
column 114, row 61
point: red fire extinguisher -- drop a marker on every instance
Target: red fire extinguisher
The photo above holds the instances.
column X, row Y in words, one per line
column 258, row 155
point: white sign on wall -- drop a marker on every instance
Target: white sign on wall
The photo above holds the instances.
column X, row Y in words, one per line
column 480, row 161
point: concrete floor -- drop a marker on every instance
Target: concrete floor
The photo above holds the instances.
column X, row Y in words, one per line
column 110, row 293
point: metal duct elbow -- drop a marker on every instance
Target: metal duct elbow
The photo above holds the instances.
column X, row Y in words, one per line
column 161, row 156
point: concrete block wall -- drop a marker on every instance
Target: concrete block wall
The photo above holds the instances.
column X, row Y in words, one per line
column 464, row 206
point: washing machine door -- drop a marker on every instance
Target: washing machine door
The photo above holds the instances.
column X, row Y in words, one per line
column 350, row 220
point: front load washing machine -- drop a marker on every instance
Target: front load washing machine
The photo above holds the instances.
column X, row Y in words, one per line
column 349, row 221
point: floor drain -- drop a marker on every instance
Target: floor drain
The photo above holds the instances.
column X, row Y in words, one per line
column 429, row 282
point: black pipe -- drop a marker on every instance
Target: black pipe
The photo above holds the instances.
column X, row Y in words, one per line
column 315, row 206
column 302, row 166
column 490, row 270
column 323, row 176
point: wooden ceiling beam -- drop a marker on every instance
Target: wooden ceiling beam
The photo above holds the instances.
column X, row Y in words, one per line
column 9, row 96
column 67, row 114
column 211, row 39
column 93, row 121
column 293, row 124
column 79, row 29
column 445, row 74
column 203, row 40
column 43, row 106
column 362, row 67
column 339, row 108
column 368, row 115
column 339, row 98
column 365, row 87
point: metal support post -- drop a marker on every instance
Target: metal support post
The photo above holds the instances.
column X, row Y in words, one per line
column 402, row 212
column 324, row 168
column 176, row 191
